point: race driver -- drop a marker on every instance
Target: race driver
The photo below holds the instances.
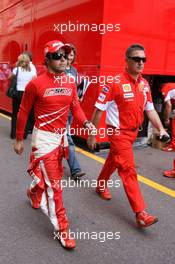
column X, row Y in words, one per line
column 52, row 96
column 124, row 104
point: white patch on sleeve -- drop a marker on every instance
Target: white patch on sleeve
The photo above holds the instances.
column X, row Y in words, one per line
column 149, row 106
column 101, row 97
column 101, row 107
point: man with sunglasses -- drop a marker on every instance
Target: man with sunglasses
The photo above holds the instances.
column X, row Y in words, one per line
column 124, row 104
column 52, row 99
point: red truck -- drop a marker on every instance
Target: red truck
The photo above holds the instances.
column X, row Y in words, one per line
column 101, row 30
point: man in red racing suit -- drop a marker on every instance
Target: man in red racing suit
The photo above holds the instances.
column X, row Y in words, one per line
column 52, row 96
column 124, row 104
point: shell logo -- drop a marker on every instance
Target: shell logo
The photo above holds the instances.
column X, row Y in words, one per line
column 126, row 87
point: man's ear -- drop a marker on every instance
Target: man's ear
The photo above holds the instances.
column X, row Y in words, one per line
column 46, row 61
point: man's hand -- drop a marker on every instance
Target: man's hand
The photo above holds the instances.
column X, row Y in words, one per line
column 90, row 126
column 19, row 147
column 155, row 120
column 162, row 133
column 91, row 142
column 95, row 121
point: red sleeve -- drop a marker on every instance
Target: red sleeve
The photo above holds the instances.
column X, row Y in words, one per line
column 165, row 89
column 76, row 109
column 149, row 102
column 28, row 99
column 149, row 96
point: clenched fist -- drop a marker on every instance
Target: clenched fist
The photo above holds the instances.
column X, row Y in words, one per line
column 19, row 147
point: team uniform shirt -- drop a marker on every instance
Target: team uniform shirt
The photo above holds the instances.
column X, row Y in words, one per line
column 24, row 77
column 52, row 100
column 125, row 102
column 168, row 91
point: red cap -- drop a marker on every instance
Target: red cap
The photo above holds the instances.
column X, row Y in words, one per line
column 55, row 45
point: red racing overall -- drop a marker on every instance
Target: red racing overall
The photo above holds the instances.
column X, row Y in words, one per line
column 124, row 104
column 52, row 100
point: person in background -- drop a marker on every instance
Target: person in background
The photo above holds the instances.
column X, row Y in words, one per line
column 73, row 163
column 29, row 54
column 124, row 104
column 25, row 73
column 168, row 91
column 170, row 173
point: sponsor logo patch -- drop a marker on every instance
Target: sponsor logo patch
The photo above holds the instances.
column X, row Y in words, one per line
column 126, row 87
column 101, row 97
column 105, row 89
column 128, row 95
column 143, row 87
column 58, row 91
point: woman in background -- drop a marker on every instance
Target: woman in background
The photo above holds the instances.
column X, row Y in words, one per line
column 25, row 73
column 74, row 165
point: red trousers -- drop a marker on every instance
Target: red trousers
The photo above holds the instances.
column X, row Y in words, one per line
column 174, row 165
column 121, row 157
column 47, row 172
column 173, row 133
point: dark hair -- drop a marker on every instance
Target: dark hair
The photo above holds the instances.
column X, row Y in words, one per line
column 133, row 47
column 73, row 49
column 29, row 54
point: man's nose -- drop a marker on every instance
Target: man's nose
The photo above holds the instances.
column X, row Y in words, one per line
column 141, row 62
column 63, row 58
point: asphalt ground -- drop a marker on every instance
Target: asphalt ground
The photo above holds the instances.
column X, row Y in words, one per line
column 111, row 233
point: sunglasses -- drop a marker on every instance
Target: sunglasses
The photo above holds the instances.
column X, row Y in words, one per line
column 56, row 56
column 138, row 59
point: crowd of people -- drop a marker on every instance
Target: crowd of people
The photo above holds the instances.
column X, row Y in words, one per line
column 55, row 104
